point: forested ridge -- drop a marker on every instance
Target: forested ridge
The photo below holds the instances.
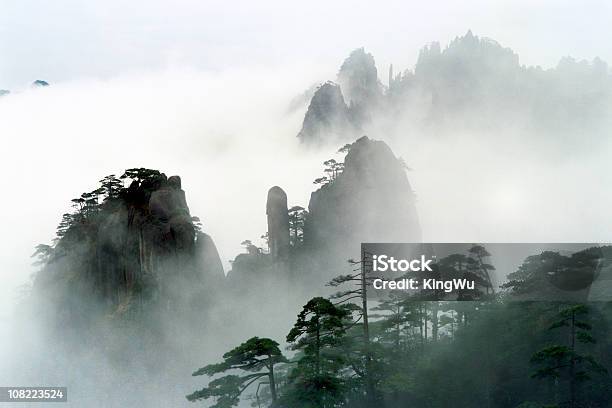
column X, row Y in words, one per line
column 355, row 350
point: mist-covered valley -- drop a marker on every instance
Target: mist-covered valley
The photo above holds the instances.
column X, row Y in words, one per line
column 477, row 148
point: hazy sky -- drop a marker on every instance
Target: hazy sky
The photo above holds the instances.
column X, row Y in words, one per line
column 72, row 39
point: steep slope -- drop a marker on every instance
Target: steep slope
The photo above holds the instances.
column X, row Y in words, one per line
column 328, row 117
column 125, row 249
column 371, row 200
column 358, row 79
column 368, row 198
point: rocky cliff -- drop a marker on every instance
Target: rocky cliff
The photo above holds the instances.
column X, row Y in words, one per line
column 358, row 80
column 368, row 198
column 338, row 110
column 328, row 118
column 127, row 247
column 371, row 200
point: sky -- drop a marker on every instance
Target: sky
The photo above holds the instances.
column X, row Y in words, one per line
column 65, row 40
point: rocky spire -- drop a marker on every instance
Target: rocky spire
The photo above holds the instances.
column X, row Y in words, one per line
column 358, row 79
column 327, row 117
column 278, row 223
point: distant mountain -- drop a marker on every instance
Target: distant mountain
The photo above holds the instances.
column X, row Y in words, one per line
column 337, row 111
column 36, row 84
column 473, row 84
column 358, row 79
column 40, row 83
column 328, row 117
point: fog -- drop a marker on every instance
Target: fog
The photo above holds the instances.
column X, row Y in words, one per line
column 62, row 140
column 68, row 39
column 230, row 136
column 212, row 129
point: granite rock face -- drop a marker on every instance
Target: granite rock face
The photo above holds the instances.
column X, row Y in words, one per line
column 209, row 261
column 278, row 223
column 338, row 111
column 358, row 79
column 327, row 118
column 169, row 209
column 138, row 246
column 370, row 201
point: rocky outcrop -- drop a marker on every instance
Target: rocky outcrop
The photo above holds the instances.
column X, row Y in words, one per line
column 255, row 267
column 366, row 199
column 338, row 111
column 209, row 261
column 328, row 118
column 278, row 223
column 168, row 207
column 358, row 79
column 138, row 246
column 370, row 201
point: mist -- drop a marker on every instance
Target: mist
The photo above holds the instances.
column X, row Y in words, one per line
column 63, row 139
column 230, row 136
column 181, row 122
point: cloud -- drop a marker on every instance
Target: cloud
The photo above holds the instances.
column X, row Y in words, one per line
column 228, row 135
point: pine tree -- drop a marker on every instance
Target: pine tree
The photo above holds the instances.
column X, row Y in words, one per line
column 362, row 279
column 479, row 267
column 257, row 357
column 111, row 186
column 565, row 360
column 297, row 219
column 317, row 335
